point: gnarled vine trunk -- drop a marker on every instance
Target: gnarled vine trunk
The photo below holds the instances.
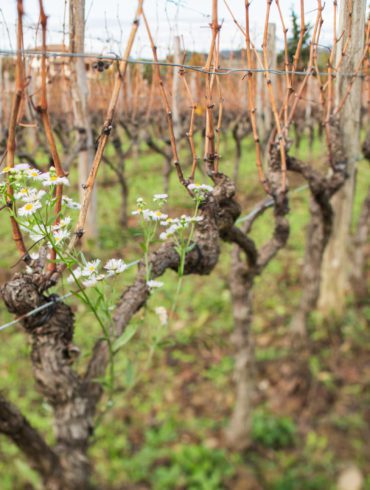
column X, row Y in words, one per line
column 74, row 397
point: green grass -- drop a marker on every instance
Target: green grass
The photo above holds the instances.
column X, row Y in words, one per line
column 164, row 428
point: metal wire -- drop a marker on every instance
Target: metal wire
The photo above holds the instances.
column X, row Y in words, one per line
column 46, row 305
column 111, row 56
column 266, row 203
column 36, row 310
column 269, row 203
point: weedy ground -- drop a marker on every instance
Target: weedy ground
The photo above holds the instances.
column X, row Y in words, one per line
column 163, row 428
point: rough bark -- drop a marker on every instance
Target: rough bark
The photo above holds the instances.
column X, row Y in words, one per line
column 366, row 145
column 318, row 233
column 241, row 283
column 360, row 252
column 74, row 398
column 239, row 130
column 243, row 274
column 51, row 333
column 316, row 237
column 336, row 264
column 219, row 214
column 40, row 456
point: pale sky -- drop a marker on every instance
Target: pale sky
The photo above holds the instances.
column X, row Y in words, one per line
column 108, row 23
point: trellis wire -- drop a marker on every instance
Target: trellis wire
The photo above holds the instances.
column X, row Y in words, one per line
column 116, row 57
column 70, row 293
column 267, row 203
column 50, row 303
column 36, row 310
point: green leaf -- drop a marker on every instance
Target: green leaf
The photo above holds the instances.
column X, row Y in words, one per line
column 50, row 221
column 190, row 247
column 125, row 337
column 129, row 374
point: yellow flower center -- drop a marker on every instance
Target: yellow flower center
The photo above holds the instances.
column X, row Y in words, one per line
column 53, row 177
column 29, row 206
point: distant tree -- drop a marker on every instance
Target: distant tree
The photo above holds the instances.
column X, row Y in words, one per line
column 294, row 39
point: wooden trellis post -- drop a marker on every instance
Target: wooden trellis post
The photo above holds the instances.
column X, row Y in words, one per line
column 336, row 264
column 81, row 110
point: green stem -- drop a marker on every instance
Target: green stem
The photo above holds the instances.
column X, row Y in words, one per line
column 183, row 247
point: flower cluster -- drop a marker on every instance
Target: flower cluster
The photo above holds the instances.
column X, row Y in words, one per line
column 23, row 178
column 34, row 203
column 176, row 225
column 90, row 274
column 20, row 168
column 24, row 170
column 29, row 208
column 70, row 203
column 200, row 191
column 29, row 194
column 149, row 214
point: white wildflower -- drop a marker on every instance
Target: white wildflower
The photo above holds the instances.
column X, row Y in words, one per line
column 157, row 197
column 91, row 267
column 200, row 187
column 29, row 194
column 21, row 166
column 63, row 223
column 200, row 191
column 36, row 232
column 170, row 231
column 162, row 315
column 147, row 214
column 184, row 221
column 155, row 216
column 161, row 198
column 60, row 235
column 52, row 179
column 93, row 280
column 70, row 279
column 29, row 208
column 154, row 284
column 140, row 203
column 170, row 221
column 24, row 192
column 137, row 212
column 77, row 273
column 115, row 266
column 33, row 173
column 34, row 196
column 70, row 203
